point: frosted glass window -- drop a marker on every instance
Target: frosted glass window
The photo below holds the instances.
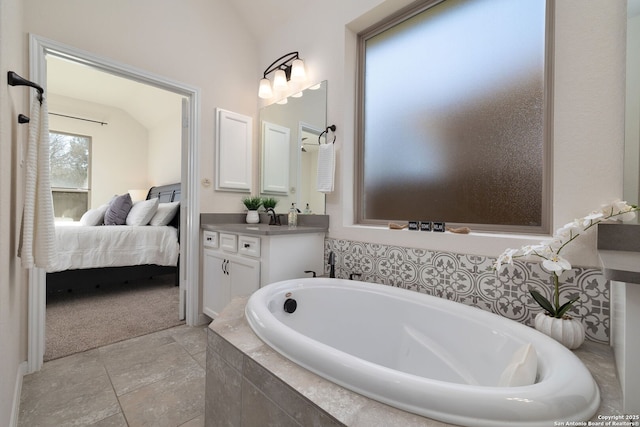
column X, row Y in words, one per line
column 452, row 116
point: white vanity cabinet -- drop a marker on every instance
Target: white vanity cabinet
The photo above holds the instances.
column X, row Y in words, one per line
column 225, row 277
column 239, row 264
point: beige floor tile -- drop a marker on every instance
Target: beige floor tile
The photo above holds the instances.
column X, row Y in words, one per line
column 196, row 422
column 77, row 404
column 128, row 373
column 201, row 358
column 193, row 339
column 171, row 401
column 159, row 377
column 116, row 420
column 67, row 371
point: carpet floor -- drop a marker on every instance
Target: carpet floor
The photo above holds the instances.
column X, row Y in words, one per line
column 81, row 320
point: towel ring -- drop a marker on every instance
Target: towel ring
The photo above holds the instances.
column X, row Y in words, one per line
column 331, row 128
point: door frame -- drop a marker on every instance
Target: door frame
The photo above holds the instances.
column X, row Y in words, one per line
column 39, row 47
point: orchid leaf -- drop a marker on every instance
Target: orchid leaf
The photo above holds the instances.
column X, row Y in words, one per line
column 565, row 307
column 542, row 302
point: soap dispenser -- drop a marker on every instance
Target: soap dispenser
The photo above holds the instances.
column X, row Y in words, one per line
column 293, row 216
column 307, row 210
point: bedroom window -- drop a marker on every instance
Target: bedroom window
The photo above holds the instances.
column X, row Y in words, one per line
column 70, row 172
column 452, row 108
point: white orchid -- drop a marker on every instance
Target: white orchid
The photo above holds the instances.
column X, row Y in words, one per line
column 587, row 220
column 549, row 252
column 556, row 264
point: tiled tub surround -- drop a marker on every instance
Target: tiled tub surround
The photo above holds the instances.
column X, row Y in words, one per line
column 249, row 384
column 471, row 280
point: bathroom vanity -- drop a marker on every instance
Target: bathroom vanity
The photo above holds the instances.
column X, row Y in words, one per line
column 237, row 258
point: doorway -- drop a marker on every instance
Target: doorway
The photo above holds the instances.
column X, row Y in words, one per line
column 40, row 48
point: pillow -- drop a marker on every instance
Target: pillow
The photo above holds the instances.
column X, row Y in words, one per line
column 141, row 212
column 118, row 210
column 522, row 369
column 165, row 213
column 94, row 216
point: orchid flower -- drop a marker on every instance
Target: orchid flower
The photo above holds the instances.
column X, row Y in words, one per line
column 549, row 252
column 556, row 264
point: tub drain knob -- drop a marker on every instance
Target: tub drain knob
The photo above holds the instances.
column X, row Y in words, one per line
column 290, row 305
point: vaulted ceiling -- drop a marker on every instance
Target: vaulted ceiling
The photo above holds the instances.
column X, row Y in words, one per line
column 146, row 104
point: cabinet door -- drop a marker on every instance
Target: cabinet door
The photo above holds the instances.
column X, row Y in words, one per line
column 215, row 283
column 233, row 151
column 225, row 277
column 276, row 150
column 245, row 276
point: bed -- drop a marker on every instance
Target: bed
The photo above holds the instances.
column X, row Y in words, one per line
column 90, row 255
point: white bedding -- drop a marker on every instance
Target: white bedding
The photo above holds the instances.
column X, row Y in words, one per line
column 79, row 246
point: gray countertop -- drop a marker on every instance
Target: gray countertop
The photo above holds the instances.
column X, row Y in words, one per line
column 262, row 229
column 235, row 223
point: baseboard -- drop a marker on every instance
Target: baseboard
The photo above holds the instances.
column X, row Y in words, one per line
column 203, row 319
column 17, row 392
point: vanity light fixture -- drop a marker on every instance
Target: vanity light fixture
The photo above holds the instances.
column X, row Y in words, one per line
column 287, row 68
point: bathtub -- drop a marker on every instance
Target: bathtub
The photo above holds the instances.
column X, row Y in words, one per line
column 422, row 354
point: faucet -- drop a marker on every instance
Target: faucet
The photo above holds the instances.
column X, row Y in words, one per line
column 332, row 264
column 274, row 219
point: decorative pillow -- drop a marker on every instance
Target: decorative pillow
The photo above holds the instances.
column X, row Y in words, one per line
column 165, row 213
column 522, row 369
column 141, row 212
column 118, row 210
column 94, row 216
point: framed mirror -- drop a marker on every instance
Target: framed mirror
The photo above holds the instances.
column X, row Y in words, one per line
column 289, row 140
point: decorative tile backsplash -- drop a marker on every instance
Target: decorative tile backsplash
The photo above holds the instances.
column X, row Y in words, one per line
column 471, row 280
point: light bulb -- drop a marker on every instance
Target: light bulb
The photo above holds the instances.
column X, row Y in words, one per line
column 298, row 73
column 264, row 91
column 280, row 80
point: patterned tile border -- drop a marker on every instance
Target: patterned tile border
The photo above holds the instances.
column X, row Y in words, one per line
column 470, row 279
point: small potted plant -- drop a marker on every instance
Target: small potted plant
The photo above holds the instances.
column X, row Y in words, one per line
column 554, row 321
column 252, row 204
column 269, row 202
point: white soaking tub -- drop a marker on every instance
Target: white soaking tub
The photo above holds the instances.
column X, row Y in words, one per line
column 423, row 354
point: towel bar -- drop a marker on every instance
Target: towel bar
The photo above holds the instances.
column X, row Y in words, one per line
column 14, row 79
column 331, row 128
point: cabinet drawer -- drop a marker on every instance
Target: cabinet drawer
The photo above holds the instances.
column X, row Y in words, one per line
column 229, row 242
column 210, row 239
column 249, row 245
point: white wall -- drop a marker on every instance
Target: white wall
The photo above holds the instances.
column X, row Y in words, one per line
column 13, row 287
column 163, row 161
column 119, row 149
column 201, row 43
column 588, row 116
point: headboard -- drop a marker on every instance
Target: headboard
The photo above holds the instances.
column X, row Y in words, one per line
column 166, row 194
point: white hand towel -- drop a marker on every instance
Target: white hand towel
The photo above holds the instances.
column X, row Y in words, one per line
column 37, row 244
column 326, row 168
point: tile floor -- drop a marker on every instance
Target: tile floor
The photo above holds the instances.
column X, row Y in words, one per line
column 152, row 380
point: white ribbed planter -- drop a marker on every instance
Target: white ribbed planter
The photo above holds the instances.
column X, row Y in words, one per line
column 253, row 217
column 567, row 331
